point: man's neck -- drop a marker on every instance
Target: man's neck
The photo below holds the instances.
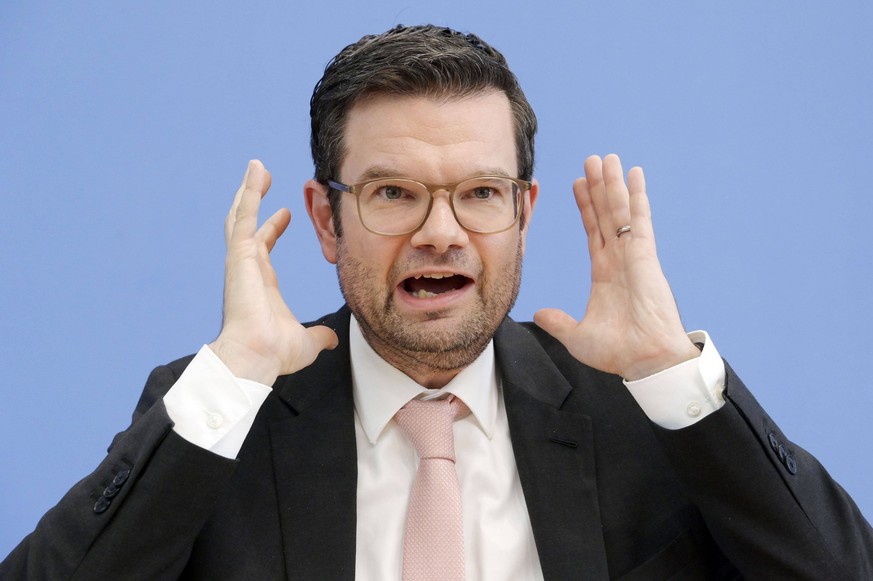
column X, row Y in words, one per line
column 410, row 364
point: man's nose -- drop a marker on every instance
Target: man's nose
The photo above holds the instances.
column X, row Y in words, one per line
column 440, row 230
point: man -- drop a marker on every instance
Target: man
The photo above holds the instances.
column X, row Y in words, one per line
column 422, row 196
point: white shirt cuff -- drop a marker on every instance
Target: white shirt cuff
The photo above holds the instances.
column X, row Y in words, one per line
column 211, row 408
column 685, row 394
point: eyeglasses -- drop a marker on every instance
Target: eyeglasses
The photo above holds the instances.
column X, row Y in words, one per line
column 397, row 206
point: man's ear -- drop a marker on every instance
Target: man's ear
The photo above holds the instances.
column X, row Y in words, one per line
column 321, row 214
column 530, row 200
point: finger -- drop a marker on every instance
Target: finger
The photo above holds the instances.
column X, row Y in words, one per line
column 597, row 189
column 273, row 228
column 589, row 215
column 231, row 214
column 640, row 211
column 268, row 273
column 245, row 220
column 556, row 323
column 616, row 193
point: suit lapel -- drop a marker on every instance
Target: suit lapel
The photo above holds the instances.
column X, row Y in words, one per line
column 315, row 463
column 554, row 452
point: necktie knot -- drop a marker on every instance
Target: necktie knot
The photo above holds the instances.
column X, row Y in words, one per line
column 428, row 425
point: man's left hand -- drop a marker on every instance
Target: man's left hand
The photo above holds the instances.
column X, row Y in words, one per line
column 631, row 325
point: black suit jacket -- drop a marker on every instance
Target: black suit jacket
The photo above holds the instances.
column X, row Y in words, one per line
column 610, row 495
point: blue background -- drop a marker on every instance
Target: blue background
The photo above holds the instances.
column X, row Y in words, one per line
column 125, row 128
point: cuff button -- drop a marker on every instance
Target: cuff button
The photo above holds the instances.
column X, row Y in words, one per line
column 693, row 409
column 214, row 420
column 102, row 505
column 121, row 478
column 774, row 441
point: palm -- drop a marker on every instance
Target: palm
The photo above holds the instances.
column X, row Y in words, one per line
column 631, row 325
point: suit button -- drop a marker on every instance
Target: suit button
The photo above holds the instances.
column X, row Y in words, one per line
column 774, row 442
column 782, row 453
column 110, row 491
column 121, row 478
column 102, row 504
column 791, row 464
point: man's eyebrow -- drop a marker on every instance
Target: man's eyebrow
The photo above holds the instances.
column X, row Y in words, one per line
column 376, row 172
column 491, row 171
column 379, row 172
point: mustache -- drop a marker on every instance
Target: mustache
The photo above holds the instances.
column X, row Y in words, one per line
column 457, row 259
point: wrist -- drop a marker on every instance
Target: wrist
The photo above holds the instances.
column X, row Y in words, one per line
column 683, row 351
column 244, row 362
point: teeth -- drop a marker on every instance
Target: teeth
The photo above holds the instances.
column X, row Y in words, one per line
column 424, row 294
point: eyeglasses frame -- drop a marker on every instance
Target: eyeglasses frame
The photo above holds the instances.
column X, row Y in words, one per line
column 354, row 189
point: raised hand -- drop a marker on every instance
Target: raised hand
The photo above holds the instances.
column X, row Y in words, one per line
column 631, row 325
column 260, row 338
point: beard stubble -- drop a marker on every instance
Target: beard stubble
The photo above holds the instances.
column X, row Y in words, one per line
column 412, row 347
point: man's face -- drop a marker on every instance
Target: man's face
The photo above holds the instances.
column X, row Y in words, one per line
column 470, row 280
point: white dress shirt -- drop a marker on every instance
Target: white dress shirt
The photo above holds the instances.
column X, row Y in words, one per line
column 498, row 539
column 213, row 409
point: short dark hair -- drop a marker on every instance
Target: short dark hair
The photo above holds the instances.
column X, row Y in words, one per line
column 424, row 60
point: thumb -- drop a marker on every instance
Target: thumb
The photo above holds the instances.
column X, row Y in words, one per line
column 317, row 339
column 322, row 337
column 556, row 323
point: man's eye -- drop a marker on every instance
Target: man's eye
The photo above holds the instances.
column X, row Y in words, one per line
column 391, row 192
column 483, row 193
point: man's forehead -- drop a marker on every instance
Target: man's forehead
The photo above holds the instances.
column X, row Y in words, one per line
column 385, row 133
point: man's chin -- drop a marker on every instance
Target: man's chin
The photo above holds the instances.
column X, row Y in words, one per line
column 436, row 340
column 442, row 333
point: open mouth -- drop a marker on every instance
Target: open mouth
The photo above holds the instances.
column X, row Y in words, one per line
column 427, row 286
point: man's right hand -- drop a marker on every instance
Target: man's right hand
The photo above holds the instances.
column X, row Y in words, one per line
column 260, row 338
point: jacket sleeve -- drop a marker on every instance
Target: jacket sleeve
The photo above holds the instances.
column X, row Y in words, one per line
column 137, row 515
column 769, row 504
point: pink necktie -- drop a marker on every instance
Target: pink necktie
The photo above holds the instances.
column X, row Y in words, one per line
column 433, row 548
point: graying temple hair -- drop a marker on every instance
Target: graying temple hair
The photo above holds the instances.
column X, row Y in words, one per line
column 425, row 60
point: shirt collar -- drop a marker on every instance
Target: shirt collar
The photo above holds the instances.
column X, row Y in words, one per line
column 381, row 389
